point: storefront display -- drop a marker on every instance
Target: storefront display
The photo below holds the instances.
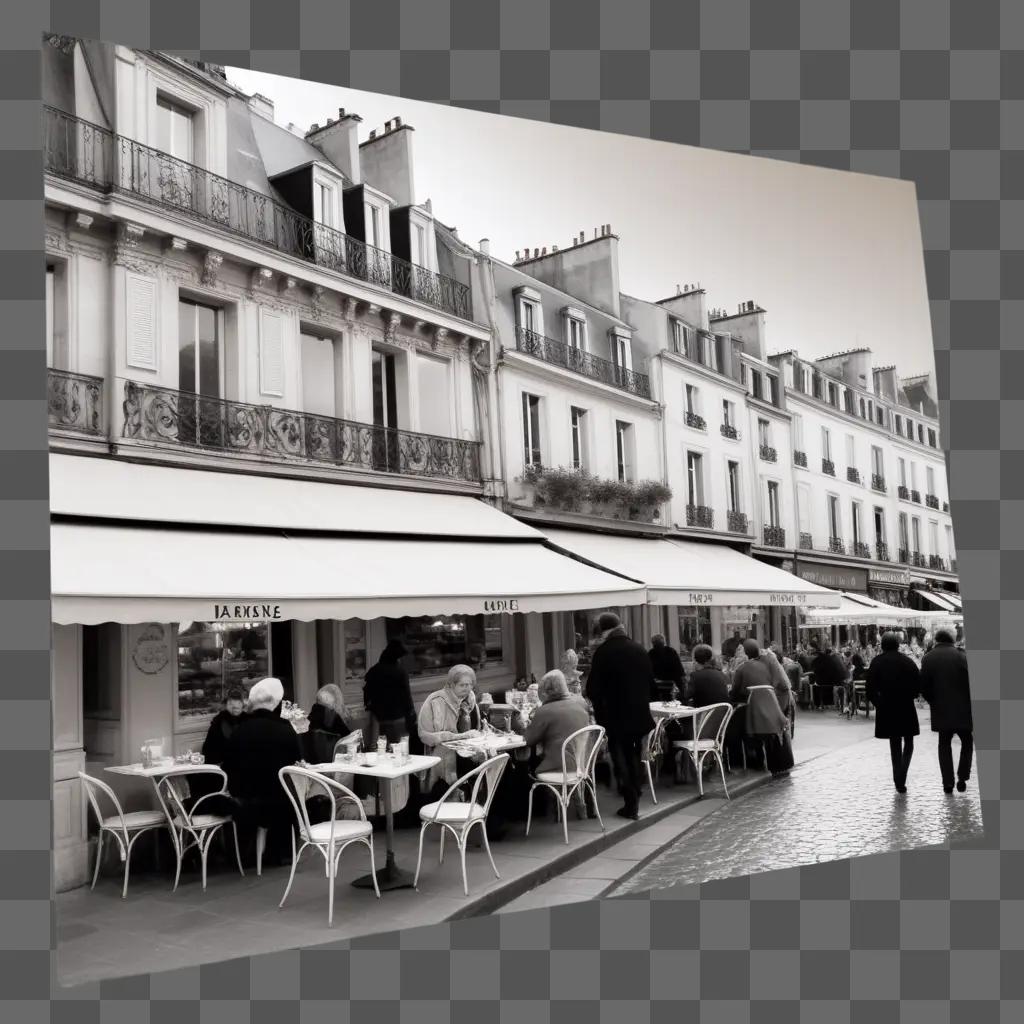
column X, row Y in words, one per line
column 739, row 623
column 694, row 629
column 436, row 643
column 214, row 657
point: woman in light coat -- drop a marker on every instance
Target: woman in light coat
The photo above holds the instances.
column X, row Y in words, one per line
column 449, row 714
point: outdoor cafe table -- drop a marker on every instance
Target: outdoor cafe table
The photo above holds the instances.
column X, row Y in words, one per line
column 674, row 712
column 479, row 745
column 385, row 770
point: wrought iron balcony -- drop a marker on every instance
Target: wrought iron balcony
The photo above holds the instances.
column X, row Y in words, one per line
column 878, row 483
column 915, row 496
column 836, row 546
column 918, row 559
column 905, row 556
column 931, row 500
column 945, row 506
column 800, row 459
column 729, row 431
column 700, row 515
column 74, row 401
column 94, row 156
column 768, row 453
column 806, row 542
column 586, row 365
column 881, row 551
column 164, row 416
column 695, row 421
column 937, row 562
column 774, row 537
column 737, row 522
column 853, row 475
column 828, row 467
column 904, row 492
column 861, row 550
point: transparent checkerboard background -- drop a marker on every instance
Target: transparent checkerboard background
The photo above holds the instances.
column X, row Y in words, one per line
column 929, row 90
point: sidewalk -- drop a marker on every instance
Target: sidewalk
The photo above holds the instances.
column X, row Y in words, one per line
column 100, row 935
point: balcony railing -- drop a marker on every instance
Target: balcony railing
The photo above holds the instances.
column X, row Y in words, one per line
column 768, row 453
column 695, row 421
column 774, row 537
column 861, row 550
column 836, row 546
column 905, row 556
column 164, row 416
column 915, row 496
column 918, row 560
column 904, row 492
column 700, row 515
column 604, row 370
column 853, row 475
column 828, row 467
column 937, row 562
column 94, row 156
column 931, row 500
column 881, row 551
column 737, row 522
column 806, row 542
column 729, row 431
column 74, row 401
column 800, row 459
column 878, row 483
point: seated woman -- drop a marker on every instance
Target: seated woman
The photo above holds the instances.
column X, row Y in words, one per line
column 446, row 715
column 327, row 724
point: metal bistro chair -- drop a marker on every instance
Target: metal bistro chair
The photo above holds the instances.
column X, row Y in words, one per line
column 125, row 827
column 190, row 827
column 708, row 741
column 652, row 752
column 330, row 838
column 459, row 817
column 579, row 756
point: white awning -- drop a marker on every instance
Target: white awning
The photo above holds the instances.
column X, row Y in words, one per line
column 857, row 609
column 938, row 599
column 681, row 572
column 121, row 573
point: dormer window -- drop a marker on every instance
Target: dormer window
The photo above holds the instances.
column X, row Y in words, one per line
column 175, row 129
column 622, row 355
column 529, row 314
column 323, row 204
column 575, row 329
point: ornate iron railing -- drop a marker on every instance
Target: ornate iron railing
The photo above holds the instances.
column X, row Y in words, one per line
column 853, row 475
column 931, row 500
column 95, row 156
column 828, row 468
column 165, row 416
column 737, row 522
column 768, row 453
column 881, row 551
column 915, row 496
column 729, row 431
column 918, row 559
column 774, row 537
column 878, row 483
column 559, row 354
column 74, row 401
column 806, row 542
column 861, row 550
column 936, row 562
column 800, row 459
column 695, row 421
column 905, row 556
column 904, row 492
column 836, row 546
column 700, row 515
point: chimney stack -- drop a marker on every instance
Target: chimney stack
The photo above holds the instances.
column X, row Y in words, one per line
column 339, row 142
column 485, row 247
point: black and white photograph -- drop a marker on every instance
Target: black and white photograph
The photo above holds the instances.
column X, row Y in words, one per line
column 454, row 514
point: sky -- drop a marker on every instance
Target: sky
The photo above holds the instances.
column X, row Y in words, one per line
column 834, row 258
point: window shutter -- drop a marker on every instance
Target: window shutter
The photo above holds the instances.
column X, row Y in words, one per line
column 271, row 354
column 141, row 322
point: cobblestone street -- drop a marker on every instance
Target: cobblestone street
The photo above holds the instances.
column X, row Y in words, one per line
column 839, row 805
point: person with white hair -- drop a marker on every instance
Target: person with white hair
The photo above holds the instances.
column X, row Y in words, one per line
column 560, row 715
column 446, row 715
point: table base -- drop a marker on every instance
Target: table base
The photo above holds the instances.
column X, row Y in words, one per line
column 388, row 877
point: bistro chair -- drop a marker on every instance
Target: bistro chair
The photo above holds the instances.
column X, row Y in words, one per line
column 458, row 817
column 329, row 838
column 579, row 756
column 709, row 741
column 189, row 827
column 124, row 826
column 652, row 752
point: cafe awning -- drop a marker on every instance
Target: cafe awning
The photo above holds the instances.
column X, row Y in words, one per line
column 682, row 572
column 940, row 600
column 159, row 544
column 856, row 609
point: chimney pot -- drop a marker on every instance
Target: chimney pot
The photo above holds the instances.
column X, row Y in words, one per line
column 373, row 133
column 517, row 255
column 341, row 112
column 315, row 128
column 554, row 248
column 398, row 122
column 544, row 251
column 485, row 247
column 536, row 253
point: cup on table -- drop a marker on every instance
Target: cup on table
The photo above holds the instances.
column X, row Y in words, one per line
column 370, row 758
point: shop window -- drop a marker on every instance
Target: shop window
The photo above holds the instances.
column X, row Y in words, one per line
column 355, row 650
column 214, row 657
column 436, row 643
column 694, row 629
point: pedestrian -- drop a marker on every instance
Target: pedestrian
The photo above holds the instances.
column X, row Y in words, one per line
column 829, row 672
column 387, row 697
column 764, row 721
column 893, row 683
column 620, row 687
column 668, row 669
column 946, row 687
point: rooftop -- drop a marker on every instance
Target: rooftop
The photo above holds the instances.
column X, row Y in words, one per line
column 600, row 233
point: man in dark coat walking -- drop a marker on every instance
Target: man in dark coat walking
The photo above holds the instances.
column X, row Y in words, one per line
column 829, row 672
column 945, row 685
column 893, row 684
column 620, row 688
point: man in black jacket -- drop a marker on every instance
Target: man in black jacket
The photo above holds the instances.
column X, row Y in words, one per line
column 621, row 687
column 946, row 687
column 829, row 672
column 668, row 669
column 387, row 696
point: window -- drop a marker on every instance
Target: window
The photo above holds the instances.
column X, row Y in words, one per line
column 920, row 433
column 949, row 543
column 198, row 349
column 880, row 416
column 851, row 451
column 877, row 464
column 933, row 537
column 913, row 476
column 728, row 413
column 577, row 334
column 803, row 508
column 578, row 419
column 433, row 382
column 915, row 531
column 419, row 245
column 323, row 204
column 316, row 356
column 374, row 228
column 871, row 409
column 833, row 394
column 174, row 129
column 692, row 400
column 694, row 478
column 798, row 433
column 529, row 316
column 863, row 413
column 835, row 526
column 910, row 428
column 904, row 533
column 531, row 430
column 755, row 384
column 764, row 435
column 826, row 444
column 384, row 386
column 933, row 439
column 694, row 628
column 709, row 351
column 735, row 500
column 682, row 338
column 436, row 643
column 855, row 524
column 51, row 277
column 898, row 420
column 774, row 514
column 771, row 389
column 214, row 657
column 930, row 479
column 620, row 351
column 623, row 449
column 879, row 515
column 901, row 471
